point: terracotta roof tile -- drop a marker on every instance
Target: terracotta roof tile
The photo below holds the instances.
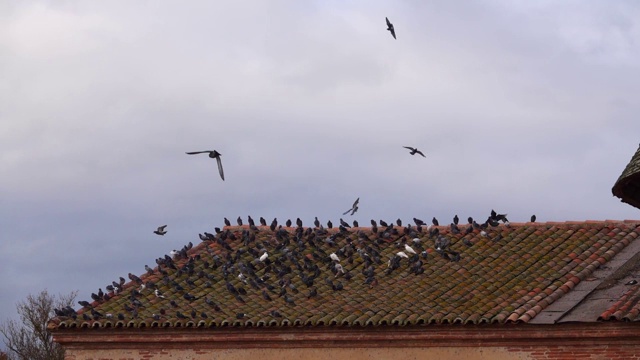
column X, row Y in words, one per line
column 510, row 280
column 627, row 308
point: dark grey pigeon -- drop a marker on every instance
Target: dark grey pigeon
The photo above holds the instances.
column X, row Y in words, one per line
column 533, row 218
column 160, row 230
column 354, row 207
column 414, row 150
column 214, row 155
column 390, row 27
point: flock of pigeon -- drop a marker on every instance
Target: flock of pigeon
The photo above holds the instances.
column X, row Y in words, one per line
column 275, row 261
column 283, row 264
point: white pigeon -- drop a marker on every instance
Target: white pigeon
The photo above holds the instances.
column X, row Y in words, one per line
column 409, row 249
column 417, row 240
column 263, row 257
column 402, row 254
column 483, row 233
column 339, row 268
column 334, row 257
column 173, row 253
column 158, row 293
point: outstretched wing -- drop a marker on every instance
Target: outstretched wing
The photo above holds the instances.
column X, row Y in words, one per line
column 220, row 170
column 198, row 152
column 346, row 212
column 161, row 228
column 393, row 32
column 420, row 152
column 408, row 147
column 355, row 203
column 388, row 22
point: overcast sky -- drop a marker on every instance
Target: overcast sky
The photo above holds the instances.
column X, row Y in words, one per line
column 527, row 107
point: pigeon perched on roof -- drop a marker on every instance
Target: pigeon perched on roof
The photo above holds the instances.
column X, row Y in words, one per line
column 390, row 28
column 409, row 249
column 160, row 230
column 533, row 218
column 214, row 155
column 414, row 150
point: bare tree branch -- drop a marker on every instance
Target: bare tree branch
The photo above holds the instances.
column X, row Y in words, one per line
column 29, row 339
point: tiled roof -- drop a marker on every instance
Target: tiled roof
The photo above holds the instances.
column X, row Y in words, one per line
column 510, row 275
column 627, row 187
column 627, row 308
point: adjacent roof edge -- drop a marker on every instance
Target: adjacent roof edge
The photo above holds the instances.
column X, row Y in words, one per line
column 627, row 187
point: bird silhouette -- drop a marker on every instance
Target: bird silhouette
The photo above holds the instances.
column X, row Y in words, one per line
column 354, row 207
column 414, row 150
column 160, row 230
column 214, row 155
column 533, row 218
column 390, row 28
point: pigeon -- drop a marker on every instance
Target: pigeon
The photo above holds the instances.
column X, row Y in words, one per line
column 533, row 218
column 354, row 207
column 263, row 257
column 214, row 155
column 414, row 150
column 434, row 221
column 160, row 230
column 390, row 28
column 456, row 219
column 409, row 249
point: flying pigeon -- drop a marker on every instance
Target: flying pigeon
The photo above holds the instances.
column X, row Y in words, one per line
column 390, row 28
column 214, row 155
column 414, row 150
column 354, row 207
column 160, row 230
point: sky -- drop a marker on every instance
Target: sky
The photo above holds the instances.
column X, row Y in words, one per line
column 519, row 106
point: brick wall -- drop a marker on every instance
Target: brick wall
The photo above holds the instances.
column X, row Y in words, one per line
column 590, row 352
column 441, row 353
column 615, row 340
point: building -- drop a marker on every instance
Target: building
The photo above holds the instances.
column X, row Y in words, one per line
column 516, row 291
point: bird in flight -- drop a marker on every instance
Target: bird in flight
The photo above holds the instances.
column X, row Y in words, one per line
column 161, row 230
column 390, row 28
column 354, row 207
column 414, row 150
column 214, row 155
